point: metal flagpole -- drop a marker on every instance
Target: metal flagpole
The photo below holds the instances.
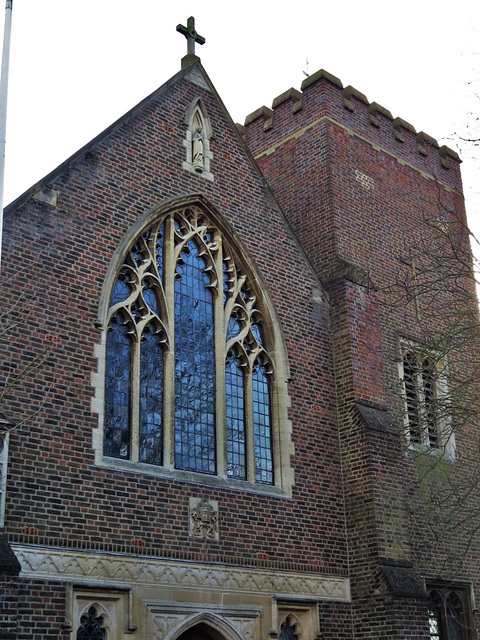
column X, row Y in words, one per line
column 3, row 107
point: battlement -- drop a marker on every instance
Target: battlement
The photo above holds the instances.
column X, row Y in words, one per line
column 323, row 97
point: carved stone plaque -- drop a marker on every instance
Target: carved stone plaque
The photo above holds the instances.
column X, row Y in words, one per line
column 203, row 518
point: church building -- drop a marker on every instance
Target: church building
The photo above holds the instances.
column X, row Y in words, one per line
column 238, row 396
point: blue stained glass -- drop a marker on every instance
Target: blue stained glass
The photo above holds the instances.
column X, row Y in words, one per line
column 117, row 390
column 138, row 251
column 235, row 419
column 137, row 311
column 233, row 328
column 121, row 290
column 150, row 297
column 262, row 431
column 151, row 398
column 257, row 332
column 194, row 366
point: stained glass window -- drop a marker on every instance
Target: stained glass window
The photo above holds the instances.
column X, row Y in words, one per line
column 235, row 415
column 262, row 426
column 189, row 374
column 151, row 397
column 91, row 627
column 194, row 365
column 117, row 389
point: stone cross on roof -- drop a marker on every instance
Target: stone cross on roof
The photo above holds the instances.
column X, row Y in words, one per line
column 192, row 37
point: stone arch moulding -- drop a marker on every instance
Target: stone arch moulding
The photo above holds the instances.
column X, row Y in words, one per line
column 214, row 622
column 295, row 622
column 198, row 133
column 101, row 611
column 273, row 340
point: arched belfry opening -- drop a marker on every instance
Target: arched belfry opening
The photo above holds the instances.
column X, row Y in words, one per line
column 197, row 140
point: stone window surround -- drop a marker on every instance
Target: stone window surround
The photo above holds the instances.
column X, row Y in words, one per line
column 281, row 426
column 446, row 437
column 466, row 595
column 112, row 603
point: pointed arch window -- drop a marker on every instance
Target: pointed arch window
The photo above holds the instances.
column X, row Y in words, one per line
column 91, row 627
column 449, row 614
column 189, row 368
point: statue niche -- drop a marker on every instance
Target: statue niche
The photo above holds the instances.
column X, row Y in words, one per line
column 197, row 141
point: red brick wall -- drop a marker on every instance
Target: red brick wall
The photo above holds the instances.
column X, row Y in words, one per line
column 360, row 191
column 58, row 258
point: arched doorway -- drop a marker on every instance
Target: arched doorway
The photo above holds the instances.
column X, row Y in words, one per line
column 201, row 632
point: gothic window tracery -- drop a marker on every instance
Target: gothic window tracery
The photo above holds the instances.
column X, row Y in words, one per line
column 91, row 627
column 448, row 614
column 288, row 630
column 189, row 374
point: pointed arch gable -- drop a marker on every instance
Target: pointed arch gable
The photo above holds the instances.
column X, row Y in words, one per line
column 258, row 343
column 219, row 628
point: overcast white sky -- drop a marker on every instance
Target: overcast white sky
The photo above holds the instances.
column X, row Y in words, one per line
column 76, row 66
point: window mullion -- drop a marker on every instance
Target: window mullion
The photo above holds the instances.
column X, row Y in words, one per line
column 249, row 435
column 169, row 378
column 135, row 399
column 220, row 358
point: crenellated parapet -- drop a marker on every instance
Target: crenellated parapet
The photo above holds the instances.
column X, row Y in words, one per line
column 324, row 98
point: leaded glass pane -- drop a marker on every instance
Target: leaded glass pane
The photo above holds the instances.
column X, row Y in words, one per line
column 262, row 431
column 117, row 390
column 151, row 398
column 233, row 328
column 121, row 290
column 194, row 366
column 235, row 416
column 150, row 297
column 454, row 617
column 139, row 251
column 91, row 627
column 257, row 332
column 434, row 617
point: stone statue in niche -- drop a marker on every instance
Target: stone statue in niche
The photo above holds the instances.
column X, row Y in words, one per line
column 197, row 149
column 204, row 519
